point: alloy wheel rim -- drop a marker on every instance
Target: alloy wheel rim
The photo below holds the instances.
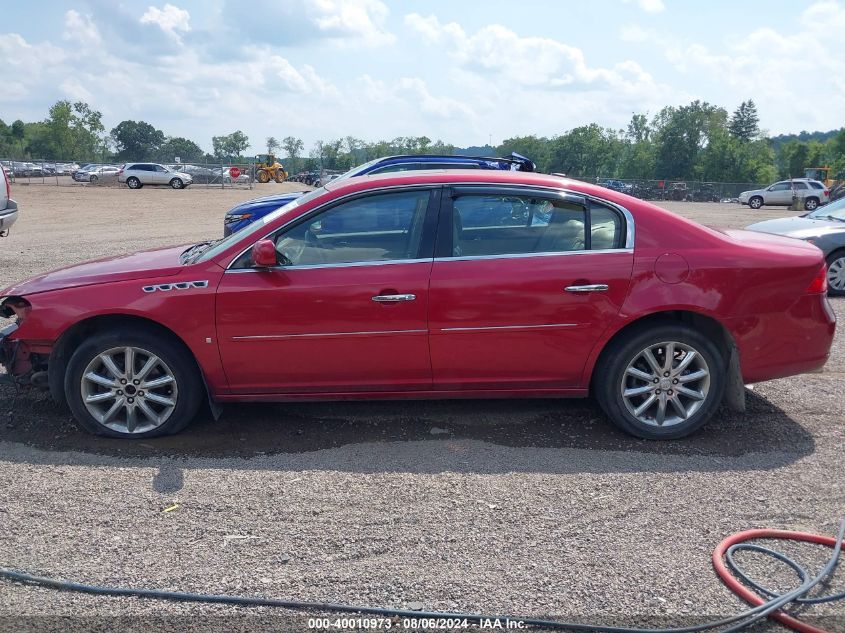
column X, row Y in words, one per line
column 836, row 274
column 811, row 204
column 665, row 384
column 129, row 390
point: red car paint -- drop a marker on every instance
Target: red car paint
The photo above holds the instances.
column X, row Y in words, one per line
column 484, row 327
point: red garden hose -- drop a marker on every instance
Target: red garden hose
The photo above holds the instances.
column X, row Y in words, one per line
column 744, row 592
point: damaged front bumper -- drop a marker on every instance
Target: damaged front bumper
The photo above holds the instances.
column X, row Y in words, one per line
column 7, row 348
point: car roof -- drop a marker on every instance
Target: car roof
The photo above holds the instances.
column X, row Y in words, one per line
column 458, row 176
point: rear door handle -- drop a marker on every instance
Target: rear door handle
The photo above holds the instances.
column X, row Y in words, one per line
column 587, row 288
column 393, row 298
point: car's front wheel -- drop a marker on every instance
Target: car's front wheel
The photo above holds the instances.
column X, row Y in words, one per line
column 133, row 183
column 756, row 202
column 661, row 382
column 811, row 204
column 132, row 384
column 93, row 180
column 177, row 183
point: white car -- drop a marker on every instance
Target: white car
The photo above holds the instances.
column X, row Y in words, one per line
column 98, row 175
column 8, row 207
column 136, row 175
column 812, row 192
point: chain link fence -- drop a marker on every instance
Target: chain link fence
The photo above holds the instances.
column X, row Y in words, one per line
column 678, row 190
column 99, row 174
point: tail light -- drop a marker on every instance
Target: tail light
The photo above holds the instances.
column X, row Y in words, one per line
column 819, row 284
column 826, row 193
column 120, row 171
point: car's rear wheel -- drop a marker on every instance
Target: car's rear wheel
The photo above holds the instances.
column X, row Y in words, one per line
column 661, row 382
column 755, row 202
column 836, row 273
column 133, row 183
column 132, row 384
column 177, row 183
column 811, row 204
column 93, row 180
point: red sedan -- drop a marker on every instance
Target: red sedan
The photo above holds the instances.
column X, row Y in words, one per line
column 430, row 285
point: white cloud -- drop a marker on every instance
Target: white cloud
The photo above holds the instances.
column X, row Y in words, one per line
column 650, row 6
column 537, row 62
column 362, row 20
column 775, row 68
column 80, row 28
column 169, row 19
column 635, row 33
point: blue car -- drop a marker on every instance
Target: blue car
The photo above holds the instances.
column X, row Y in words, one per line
column 252, row 210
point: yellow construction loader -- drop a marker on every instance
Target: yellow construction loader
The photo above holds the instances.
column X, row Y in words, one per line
column 267, row 168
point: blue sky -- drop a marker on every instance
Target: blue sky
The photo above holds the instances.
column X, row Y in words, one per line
column 464, row 72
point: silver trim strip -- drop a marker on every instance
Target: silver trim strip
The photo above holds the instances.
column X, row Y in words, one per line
column 506, row 327
column 464, row 258
column 385, row 262
column 277, row 337
column 630, row 233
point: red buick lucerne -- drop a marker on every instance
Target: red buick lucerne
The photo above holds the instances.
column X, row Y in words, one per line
column 452, row 284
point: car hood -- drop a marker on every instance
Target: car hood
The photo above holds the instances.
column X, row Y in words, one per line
column 799, row 227
column 162, row 262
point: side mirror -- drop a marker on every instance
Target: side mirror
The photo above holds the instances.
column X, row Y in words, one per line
column 264, row 254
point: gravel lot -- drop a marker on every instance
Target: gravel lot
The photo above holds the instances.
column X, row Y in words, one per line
column 536, row 508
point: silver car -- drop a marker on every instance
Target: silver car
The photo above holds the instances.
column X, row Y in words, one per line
column 8, row 207
column 99, row 175
column 136, row 175
column 825, row 228
column 812, row 192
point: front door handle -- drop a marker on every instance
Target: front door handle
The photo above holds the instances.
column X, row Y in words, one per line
column 587, row 288
column 393, row 298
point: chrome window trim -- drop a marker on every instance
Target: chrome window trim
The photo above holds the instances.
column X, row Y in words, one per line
column 630, row 231
column 381, row 262
column 464, row 258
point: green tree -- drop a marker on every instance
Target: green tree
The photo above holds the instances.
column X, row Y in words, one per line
column 184, row 148
column 17, row 132
column 744, row 123
column 681, row 133
column 272, row 145
column 137, row 140
column 293, row 148
column 230, row 145
column 587, row 151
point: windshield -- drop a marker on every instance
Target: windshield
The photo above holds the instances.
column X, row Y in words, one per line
column 212, row 249
column 835, row 210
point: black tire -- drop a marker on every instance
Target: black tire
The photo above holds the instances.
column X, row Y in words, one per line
column 611, row 377
column 839, row 257
column 133, row 183
column 811, row 203
column 182, row 367
column 93, row 180
column 177, row 183
column 755, row 202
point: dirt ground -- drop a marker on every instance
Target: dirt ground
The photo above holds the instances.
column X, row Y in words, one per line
column 531, row 507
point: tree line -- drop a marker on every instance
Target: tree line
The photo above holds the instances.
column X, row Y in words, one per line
column 698, row 141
